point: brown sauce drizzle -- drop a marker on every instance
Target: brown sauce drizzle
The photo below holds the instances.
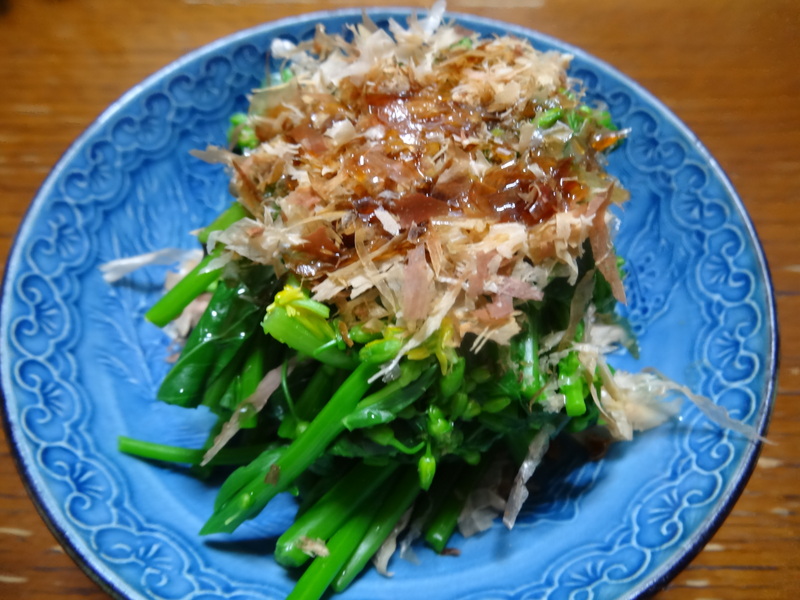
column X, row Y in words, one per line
column 399, row 173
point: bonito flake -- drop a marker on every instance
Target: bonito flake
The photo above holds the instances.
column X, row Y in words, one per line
column 420, row 168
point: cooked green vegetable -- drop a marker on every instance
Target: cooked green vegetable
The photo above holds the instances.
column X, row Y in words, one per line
column 187, row 289
column 233, row 315
column 399, row 303
column 330, row 512
column 397, row 500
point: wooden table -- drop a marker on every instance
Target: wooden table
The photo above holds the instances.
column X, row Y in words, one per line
column 729, row 69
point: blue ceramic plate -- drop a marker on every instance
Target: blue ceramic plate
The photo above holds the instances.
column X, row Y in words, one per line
column 80, row 366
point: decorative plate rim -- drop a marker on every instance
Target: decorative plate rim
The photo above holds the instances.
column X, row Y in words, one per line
column 104, row 577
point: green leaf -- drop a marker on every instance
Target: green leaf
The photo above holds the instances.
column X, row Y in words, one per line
column 232, row 316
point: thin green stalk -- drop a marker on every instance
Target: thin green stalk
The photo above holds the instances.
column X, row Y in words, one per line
column 253, row 370
column 252, row 373
column 287, row 394
column 330, row 512
column 398, row 500
column 317, row 391
column 443, row 522
column 235, row 212
column 171, row 304
column 382, row 406
column 525, row 350
column 571, row 384
column 313, row 489
column 313, row 584
column 254, row 470
column 303, row 451
column 188, row 456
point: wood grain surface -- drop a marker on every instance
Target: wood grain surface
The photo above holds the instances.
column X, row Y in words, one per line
column 730, row 69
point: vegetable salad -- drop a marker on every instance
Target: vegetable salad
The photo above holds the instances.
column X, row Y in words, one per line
column 412, row 294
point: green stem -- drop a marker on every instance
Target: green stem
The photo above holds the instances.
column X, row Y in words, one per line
column 526, row 354
column 303, row 451
column 252, row 373
column 382, row 406
column 255, row 469
column 315, row 581
column 440, row 489
column 235, row 212
column 571, row 384
column 398, row 500
column 189, row 456
column 443, row 522
column 330, row 512
column 285, row 387
column 317, row 391
column 194, row 283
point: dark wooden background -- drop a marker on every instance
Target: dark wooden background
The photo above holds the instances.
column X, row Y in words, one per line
column 730, row 69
